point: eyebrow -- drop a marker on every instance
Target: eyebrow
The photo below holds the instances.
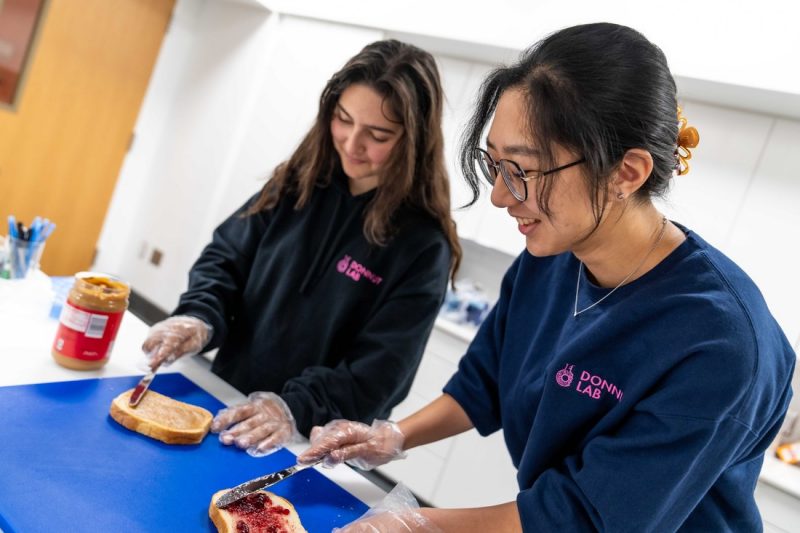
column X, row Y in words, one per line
column 378, row 128
column 516, row 149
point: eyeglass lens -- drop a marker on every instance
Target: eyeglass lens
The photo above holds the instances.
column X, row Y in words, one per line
column 510, row 171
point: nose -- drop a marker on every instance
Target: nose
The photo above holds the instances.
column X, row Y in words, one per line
column 501, row 196
column 353, row 144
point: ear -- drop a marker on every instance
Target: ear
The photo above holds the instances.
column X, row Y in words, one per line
column 634, row 170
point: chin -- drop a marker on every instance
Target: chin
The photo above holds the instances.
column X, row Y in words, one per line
column 538, row 249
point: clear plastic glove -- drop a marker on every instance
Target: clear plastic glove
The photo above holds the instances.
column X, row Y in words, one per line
column 362, row 446
column 398, row 511
column 261, row 425
column 175, row 337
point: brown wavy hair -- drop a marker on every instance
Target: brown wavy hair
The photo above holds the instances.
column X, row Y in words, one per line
column 415, row 175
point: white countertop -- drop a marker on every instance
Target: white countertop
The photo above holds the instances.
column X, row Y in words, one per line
column 26, row 336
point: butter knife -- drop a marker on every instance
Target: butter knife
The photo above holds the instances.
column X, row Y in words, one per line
column 142, row 387
column 248, row 487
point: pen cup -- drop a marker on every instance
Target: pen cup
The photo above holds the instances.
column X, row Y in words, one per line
column 23, row 257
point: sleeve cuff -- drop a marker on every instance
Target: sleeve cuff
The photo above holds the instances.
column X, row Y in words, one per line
column 300, row 411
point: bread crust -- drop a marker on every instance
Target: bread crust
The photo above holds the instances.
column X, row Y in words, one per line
column 226, row 523
column 162, row 418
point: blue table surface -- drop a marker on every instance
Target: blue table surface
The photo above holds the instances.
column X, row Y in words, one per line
column 66, row 465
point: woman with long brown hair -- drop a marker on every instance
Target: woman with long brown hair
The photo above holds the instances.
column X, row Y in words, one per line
column 321, row 290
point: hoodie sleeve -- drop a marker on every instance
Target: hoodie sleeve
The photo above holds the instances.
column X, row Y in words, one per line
column 217, row 278
column 378, row 366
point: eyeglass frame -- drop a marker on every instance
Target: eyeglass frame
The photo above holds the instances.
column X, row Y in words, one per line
column 523, row 174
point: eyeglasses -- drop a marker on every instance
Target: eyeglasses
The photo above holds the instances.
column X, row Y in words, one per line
column 515, row 178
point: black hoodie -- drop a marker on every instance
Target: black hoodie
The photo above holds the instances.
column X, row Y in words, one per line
column 303, row 305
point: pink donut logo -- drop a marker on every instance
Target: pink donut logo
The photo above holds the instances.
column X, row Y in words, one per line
column 564, row 376
column 343, row 263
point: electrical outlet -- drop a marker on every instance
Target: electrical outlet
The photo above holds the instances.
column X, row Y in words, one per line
column 156, row 256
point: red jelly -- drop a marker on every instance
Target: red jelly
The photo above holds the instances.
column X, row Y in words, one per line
column 256, row 514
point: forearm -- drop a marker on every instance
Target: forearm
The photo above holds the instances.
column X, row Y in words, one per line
column 438, row 420
column 496, row 518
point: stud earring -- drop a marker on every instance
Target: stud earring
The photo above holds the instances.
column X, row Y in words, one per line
column 620, row 196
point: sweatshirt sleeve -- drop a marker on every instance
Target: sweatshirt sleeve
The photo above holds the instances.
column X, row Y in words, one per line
column 379, row 365
column 217, row 278
column 474, row 385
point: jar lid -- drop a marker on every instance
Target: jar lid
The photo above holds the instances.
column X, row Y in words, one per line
column 104, row 282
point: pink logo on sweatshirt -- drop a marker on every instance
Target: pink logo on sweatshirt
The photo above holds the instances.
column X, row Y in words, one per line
column 564, row 376
column 355, row 270
column 592, row 385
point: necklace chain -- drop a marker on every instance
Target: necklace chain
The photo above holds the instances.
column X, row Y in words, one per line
column 575, row 311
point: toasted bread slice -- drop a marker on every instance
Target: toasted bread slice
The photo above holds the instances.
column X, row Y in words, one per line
column 258, row 512
column 162, row 418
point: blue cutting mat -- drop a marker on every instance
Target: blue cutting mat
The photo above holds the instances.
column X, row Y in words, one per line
column 66, row 465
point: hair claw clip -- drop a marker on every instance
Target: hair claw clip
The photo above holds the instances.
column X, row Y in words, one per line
column 688, row 137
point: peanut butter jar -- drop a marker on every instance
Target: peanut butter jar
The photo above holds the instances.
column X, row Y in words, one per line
column 90, row 320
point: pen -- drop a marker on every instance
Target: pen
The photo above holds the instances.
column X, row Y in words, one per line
column 12, row 226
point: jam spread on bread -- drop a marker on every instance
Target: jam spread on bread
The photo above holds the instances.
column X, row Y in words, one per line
column 255, row 514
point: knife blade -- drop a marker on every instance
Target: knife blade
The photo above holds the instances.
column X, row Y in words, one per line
column 142, row 386
column 240, row 491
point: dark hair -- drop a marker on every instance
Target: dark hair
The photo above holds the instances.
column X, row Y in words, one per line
column 596, row 89
column 408, row 79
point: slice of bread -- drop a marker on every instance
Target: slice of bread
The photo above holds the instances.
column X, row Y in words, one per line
column 162, row 418
column 258, row 512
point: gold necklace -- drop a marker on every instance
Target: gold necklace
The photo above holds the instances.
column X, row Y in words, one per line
column 575, row 311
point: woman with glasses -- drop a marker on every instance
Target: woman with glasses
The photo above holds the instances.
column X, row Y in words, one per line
column 635, row 371
column 321, row 290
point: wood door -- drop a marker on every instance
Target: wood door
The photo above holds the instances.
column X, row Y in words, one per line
column 62, row 145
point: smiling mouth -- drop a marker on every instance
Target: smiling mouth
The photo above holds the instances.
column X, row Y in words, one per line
column 526, row 221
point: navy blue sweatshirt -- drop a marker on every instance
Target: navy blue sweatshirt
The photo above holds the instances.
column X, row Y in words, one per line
column 302, row 305
column 650, row 412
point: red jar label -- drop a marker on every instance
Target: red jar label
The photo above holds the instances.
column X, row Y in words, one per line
column 86, row 334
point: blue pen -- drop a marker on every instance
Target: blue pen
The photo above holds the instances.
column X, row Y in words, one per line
column 36, row 229
column 12, row 227
column 48, row 229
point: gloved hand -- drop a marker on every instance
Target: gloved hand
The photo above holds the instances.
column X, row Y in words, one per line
column 261, row 425
column 362, row 446
column 175, row 337
column 398, row 511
